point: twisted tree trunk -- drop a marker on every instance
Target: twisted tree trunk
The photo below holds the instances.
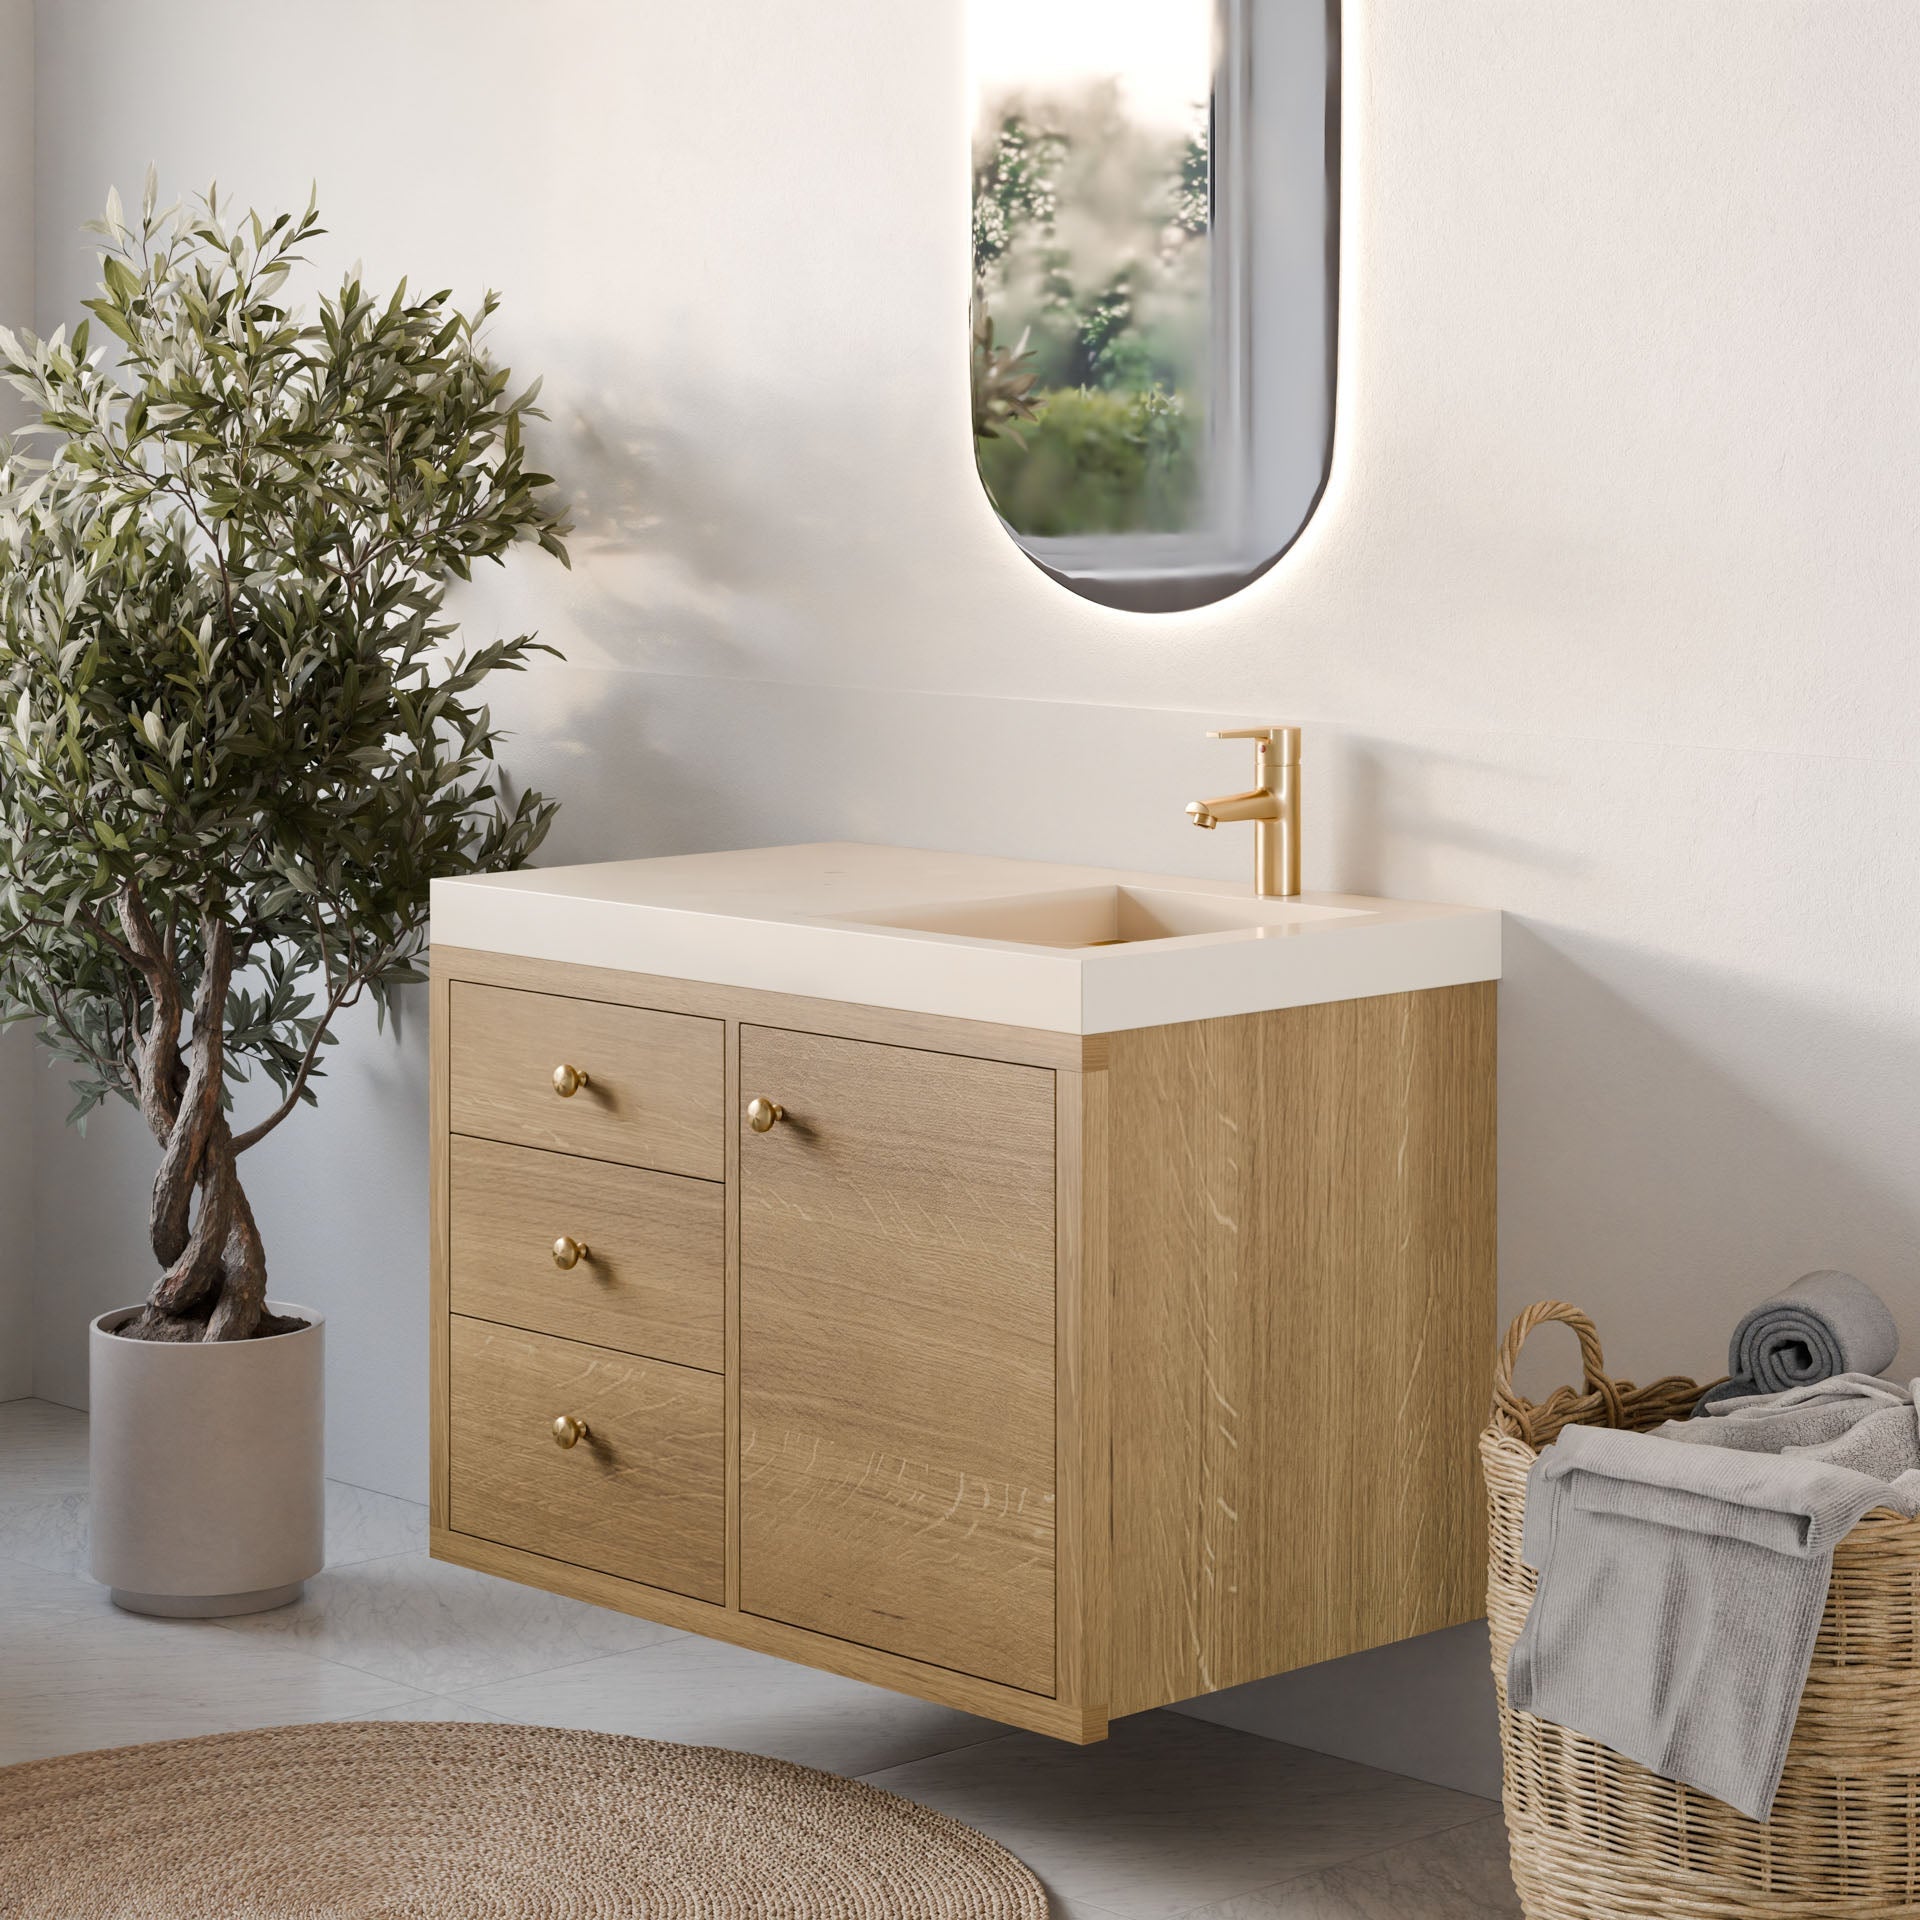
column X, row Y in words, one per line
column 213, row 1284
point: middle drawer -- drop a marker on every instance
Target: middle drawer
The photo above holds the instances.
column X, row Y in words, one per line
column 588, row 1250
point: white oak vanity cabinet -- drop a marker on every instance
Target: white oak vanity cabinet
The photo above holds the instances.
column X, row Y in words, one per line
column 1051, row 1375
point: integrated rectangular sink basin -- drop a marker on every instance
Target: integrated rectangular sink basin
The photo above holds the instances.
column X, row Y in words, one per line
column 1103, row 917
column 1020, row 943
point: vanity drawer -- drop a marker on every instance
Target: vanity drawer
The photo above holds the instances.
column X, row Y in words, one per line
column 650, row 1273
column 643, row 1495
column 655, row 1082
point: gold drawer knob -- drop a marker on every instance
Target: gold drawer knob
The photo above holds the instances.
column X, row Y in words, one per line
column 764, row 1115
column 569, row 1252
column 569, row 1430
column 567, row 1081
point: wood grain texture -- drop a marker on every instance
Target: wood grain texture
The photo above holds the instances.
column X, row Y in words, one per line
column 897, row 1353
column 653, row 1280
column 439, row 1035
column 1061, row 1377
column 1083, row 1415
column 643, row 1497
column 843, row 1019
column 1034, row 1711
column 734, row 1104
column 1302, row 1221
column 656, row 1090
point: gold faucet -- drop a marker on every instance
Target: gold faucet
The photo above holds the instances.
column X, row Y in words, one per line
column 1273, row 805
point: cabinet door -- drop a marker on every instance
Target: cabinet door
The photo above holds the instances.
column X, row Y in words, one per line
column 897, row 1352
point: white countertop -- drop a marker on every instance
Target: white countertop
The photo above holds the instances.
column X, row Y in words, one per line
column 801, row 920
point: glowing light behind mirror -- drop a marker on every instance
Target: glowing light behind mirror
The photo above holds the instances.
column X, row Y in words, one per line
column 1159, row 51
column 1151, row 338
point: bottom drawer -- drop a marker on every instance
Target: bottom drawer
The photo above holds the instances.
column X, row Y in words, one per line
column 643, row 1495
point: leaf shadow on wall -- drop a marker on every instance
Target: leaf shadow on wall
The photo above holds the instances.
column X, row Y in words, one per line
column 724, row 528
column 727, row 543
column 659, row 575
column 1679, row 1141
column 661, row 584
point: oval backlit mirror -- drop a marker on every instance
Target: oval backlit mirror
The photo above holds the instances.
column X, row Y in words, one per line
column 1154, row 230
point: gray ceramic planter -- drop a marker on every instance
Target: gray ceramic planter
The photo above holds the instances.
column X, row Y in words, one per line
column 207, row 1468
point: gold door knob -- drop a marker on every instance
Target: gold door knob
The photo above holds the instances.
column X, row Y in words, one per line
column 569, row 1252
column 569, row 1430
column 567, row 1081
column 764, row 1115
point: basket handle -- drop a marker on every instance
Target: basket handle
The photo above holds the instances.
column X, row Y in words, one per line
column 1593, row 1364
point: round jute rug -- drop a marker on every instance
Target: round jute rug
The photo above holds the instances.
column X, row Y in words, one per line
column 392, row 1820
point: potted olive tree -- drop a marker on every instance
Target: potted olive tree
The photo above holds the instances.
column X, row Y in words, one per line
column 236, row 743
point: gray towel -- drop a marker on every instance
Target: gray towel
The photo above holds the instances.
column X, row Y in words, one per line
column 1824, row 1324
column 1680, row 1594
column 1852, row 1420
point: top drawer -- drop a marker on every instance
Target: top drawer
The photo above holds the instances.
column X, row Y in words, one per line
column 655, row 1082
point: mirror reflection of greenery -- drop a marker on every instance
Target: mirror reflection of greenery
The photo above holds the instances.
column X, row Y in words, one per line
column 1090, row 236
column 1002, row 382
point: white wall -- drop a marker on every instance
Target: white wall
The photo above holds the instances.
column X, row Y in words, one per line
column 16, row 310
column 1607, row 617
column 16, row 172
column 17, row 1224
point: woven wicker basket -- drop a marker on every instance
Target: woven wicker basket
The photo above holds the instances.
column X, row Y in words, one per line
column 1595, row 1837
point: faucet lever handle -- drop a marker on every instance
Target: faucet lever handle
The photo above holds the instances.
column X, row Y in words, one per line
column 1287, row 739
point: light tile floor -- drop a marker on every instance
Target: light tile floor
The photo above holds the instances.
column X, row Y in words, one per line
column 1169, row 1817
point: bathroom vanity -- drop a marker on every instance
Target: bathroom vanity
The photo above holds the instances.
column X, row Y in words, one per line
column 1049, row 1291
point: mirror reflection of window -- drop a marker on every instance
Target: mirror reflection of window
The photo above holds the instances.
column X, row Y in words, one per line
column 1151, row 285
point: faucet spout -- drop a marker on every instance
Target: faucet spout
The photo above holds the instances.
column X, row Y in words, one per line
column 1273, row 807
column 1261, row 803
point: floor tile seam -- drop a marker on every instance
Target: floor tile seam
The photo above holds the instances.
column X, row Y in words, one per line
column 935, row 1753
column 16, row 1500
column 670, row 1635
column 307, row 1656
column 233, row 1628
column 298, row 1654
column 1202, row 1905
column 1323, row 1764
column 365, row 1559
column 82, row 1488
column 460, row 1690
column 41, row 1400
column 399, row 1499
column 273, row 1643
column 374, row 1559
column 17, row 1505
column 85, row 1587
column 480, row 1706
column 877, row 1777
column 1334, row 1866
column 367, row 1673
column 76, row 1575
column 49, row 1500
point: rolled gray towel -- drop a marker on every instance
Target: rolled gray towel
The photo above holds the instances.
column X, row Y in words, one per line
column 1824, row 1324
